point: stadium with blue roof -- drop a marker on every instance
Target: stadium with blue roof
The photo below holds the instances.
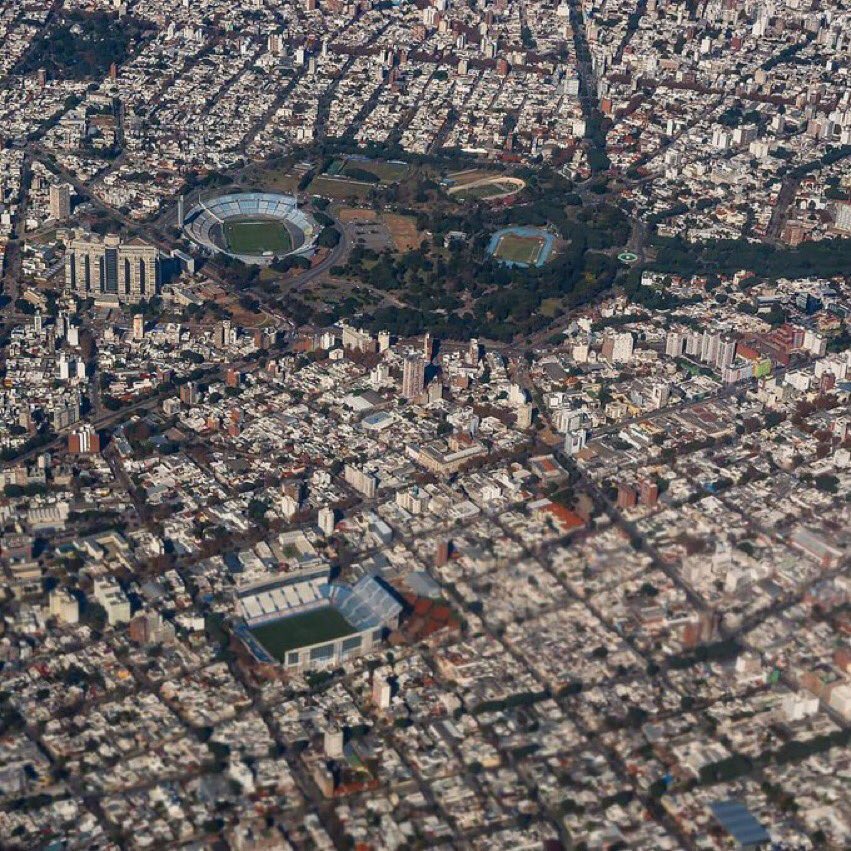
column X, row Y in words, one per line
column 305, row 621
column 290, row 231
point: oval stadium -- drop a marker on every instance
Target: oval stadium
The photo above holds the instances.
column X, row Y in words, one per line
column 254, row 227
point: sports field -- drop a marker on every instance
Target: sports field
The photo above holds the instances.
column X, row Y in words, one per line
column 483, row 190
column 369, row 171
column 257, row 236
column 302, row 630
column 519, row 249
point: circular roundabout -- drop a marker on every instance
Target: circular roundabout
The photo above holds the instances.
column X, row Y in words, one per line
column 254, row 227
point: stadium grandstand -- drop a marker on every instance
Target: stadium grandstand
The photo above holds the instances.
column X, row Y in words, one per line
column 209, row 221
column 305, row 621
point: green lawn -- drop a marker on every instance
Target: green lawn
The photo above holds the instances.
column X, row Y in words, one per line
column 338, row 188
column 481, row 192
column 302, row 630
column 257, row 236
column 484, row 191
column 386, row 172
column 519, row 249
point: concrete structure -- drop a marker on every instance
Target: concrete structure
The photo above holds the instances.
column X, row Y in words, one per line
column 368, row 608
column 60, row 201
column 326, row 520
column 617, row 348
column 361, row 480
column 84, row 441
column 203, row 223
column 64, row 606
column 108, row 593
column 413, row 376
column 111, row 271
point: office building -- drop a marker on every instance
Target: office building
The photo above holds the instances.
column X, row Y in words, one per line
column 111, row 271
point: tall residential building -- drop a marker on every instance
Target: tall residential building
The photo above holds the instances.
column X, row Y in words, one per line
column 138, row 326
column 360, row 480
column 382, row 691
column 693, row 343
column 627, row 497
column 223, row 335
column 60, row 201
column 325, row 520
column 109, row 270
column 726, row 353
column 709, row 343
column 674, row 344
column 108, row 593
column 617, row 348
column 413, row 376
column 64, row 606
column 575, row 441
column 525, row 414
column 648, row 492
column 354, row 338
column 473, row 351
column 659, row 395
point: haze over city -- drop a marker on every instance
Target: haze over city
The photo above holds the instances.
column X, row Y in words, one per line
column 425, row 425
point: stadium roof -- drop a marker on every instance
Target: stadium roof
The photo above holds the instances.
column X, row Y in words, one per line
column 368, row 603
column 740, row 823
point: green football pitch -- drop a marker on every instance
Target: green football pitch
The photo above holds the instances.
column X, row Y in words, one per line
column 519, row 249
column 314, row 627
column 257, row 236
